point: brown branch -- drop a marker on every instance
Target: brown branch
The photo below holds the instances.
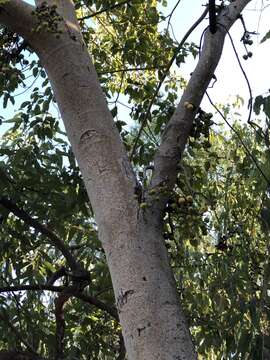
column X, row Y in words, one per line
column 145, row 119
column 33, row 287
column 54, row 239
column 78, row 284
column 109, row 8
column 131, row 69
column 84, row 297
column 99, row 304
column 176, row 133
column 60, row 302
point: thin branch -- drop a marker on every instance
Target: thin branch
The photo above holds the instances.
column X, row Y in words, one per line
column 246, row 149
column 144, row 121
column 99, row 304
column 109, row 8
column 33, row 287
column 171, row 14
column 54, row 239
column 154, row 68
column 84, row 297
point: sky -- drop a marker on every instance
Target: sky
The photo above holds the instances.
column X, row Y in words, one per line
column 230, row 80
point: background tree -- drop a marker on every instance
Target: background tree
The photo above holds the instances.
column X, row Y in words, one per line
column 136, row 200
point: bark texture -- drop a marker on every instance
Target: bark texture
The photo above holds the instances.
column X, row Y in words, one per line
column 154, row 327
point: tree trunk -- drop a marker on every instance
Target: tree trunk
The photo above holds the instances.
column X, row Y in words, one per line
column 144, row 287
column 154, row 327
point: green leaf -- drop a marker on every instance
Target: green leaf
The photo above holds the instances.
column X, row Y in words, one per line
column 35, row 71
column 114, row 111
column 266, row 37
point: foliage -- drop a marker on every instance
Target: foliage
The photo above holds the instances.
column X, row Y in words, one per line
column 214, row 227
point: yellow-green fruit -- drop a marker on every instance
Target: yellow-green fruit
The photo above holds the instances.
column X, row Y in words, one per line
column 189, row 105
column 143, row 205
column 190, row 199
column 181, row 201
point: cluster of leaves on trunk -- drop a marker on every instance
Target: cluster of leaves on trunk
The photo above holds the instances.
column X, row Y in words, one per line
column 217, row 240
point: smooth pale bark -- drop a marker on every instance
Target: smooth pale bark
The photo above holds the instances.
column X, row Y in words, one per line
column 174, row 137
column 145, row 291
column 153, row 325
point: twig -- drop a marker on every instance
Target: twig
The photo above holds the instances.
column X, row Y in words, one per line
column 171, row 14
column 131, row 69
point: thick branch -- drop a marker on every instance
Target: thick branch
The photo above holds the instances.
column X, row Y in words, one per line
column 60, row 302
column 178, row 128
column 54, row 239
column 17, row 16
column 62, row 298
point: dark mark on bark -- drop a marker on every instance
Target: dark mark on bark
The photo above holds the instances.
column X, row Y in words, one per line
column 123, row 298
column 88, row 134
column 140, row 330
